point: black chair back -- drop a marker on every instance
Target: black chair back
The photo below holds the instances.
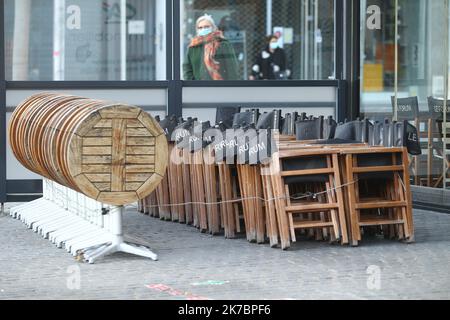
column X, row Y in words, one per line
column 350, row 131
column 436, row 108
column 225, row 115
column 269, row 120
column 168, row 124
column 407, row 108
column 246, row 118
column 309, row 129
column 329, row 128
column 288, row 127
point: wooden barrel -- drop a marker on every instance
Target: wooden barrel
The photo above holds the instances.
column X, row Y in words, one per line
column 111, row 152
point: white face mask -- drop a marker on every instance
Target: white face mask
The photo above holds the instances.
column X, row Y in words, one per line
column 204, row 32
column 274, row 45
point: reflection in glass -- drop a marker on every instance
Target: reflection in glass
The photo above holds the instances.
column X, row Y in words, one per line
column 305, row 29
column 85, row 40
column 421, row 72
column 210, row 54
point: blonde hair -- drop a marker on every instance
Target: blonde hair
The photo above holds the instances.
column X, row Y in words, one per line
column 206, row 17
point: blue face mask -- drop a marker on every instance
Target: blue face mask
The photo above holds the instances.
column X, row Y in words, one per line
column 204, row 32
column 274, row 45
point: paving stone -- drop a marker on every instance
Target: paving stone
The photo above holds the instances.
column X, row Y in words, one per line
column 33, row 268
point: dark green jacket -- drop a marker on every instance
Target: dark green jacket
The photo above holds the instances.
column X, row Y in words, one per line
column 194, row 67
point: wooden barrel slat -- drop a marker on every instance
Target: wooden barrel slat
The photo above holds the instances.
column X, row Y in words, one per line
column 112, row 152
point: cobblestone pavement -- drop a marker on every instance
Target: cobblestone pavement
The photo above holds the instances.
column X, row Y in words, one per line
column 194, row 265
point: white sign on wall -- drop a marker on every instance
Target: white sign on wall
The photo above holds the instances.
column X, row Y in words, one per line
column 136, row 27
column 279, row 32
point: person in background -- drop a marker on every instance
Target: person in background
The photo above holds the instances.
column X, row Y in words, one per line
column 271, row 62
column 210, row 56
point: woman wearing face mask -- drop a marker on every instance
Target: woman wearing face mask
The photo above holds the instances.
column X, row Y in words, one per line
column 210, row 56
column 271, row 62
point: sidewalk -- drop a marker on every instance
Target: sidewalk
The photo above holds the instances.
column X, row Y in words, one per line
column 197, row 266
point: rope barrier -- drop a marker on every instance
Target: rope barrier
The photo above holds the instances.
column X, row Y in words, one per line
column 301, row 196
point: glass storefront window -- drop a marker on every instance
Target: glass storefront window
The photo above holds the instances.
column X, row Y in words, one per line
column 377, row 55
column 404, row 63
column 303, row 46
column 87, row 40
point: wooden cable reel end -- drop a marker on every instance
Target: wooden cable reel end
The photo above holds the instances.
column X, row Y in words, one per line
column 111, row 152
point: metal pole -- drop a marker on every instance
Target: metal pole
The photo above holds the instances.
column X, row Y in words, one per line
column 123, row 40
column 306, row 40
column 21, row 43
column 116, row 215
column 444, row 110
column 59, row 39
column 161, row 35
column 396, row 62
column 269, row 17
column 316, row 44
column 3, row 175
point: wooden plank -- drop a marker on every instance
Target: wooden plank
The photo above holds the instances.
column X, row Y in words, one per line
column 99, row 132
column 134, row 123
column 150, row 168
column 278, row 193
column 86, row 186
column 345, row 150
column 97, row 142
column 141, row 141
column 227, row 207
column 340, row 199
column 161, row 155
column 179, row 173
column 88, row 124
column 120, row 112
column 187, row 189
column 137, row 132
column 103, row 186
column 132, row 186
column 137, row 177
column 308, row 172
column 97, row 151
column 174, row 200
column 380, row 204
column 74, row 161
column 96, row 177
column 283, row 154
column 151, row 124
column 378, row 169
column 352, row 198
column 117, row 198
column 149, row 186
column 140, row 159
column 409, row 222
column 96, row 168
column 311, row 207
column 309, row 224
column 118, row 154
column 379, row 222
column 96, row 159
column 134, row 150
column 104, row 123
column 259, row 212
column 272, row 231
